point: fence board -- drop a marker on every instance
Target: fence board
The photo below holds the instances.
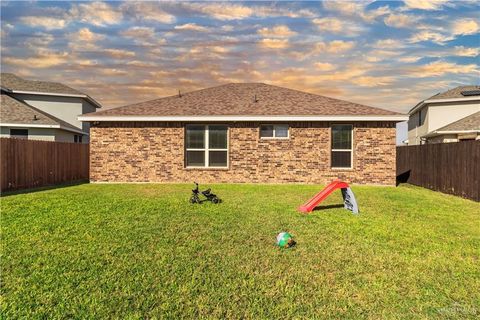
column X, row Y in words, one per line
column 452, row 168
column 33, row 163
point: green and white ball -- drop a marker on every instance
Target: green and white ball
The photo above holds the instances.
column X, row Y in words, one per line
column 283, row 239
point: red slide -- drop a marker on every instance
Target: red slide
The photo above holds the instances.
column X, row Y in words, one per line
column 319, row 197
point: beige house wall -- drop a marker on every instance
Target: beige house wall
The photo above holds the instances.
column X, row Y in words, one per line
column 437, row 115
column 44, row 134
column 154, row 152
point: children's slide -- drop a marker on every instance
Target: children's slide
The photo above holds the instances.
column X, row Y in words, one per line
column 348, row 197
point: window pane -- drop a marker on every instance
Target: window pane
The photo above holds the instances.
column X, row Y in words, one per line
column 341, row 137
column 341, row 159
column 19, row 133
column 195, row 158
column 195, row 137
column 217, row 159
column 281, row 131
column 217, row 137
column 266, row 131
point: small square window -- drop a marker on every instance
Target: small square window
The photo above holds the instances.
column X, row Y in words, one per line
column 279, row 131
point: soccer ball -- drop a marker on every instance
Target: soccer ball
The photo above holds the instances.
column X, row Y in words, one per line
column 285, row 240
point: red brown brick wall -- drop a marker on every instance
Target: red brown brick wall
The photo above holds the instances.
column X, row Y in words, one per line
column 154, row 152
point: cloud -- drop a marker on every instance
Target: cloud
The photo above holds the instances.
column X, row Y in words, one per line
column 222, row 11
column 138, row 32
column 411, row 59
column 337, row 25
column 440, row 68
column 85, row 35
column 427, row 35
column 465, row 52
column 425, row 4
column 324, row 66
column 49, row 23
column 368, row 81
column 388, row 44
column 191, row 27
column 118, row 53
column 336, row 46
column 465, row 27
column 39, row 40
column 95, row 13
column 143, row 10
column 356, row 9
column 400, row 20
column 280, row 31
column 274, row 43
column 42, row 59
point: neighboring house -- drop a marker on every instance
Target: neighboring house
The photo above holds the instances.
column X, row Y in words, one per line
column 440, row 110
column 43, row 110
column 467, row 128
column 249, row 132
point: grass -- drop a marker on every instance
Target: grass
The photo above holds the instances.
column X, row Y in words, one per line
column 142, row 251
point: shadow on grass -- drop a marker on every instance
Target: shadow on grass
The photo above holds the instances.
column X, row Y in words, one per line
column 43, row 188
column 330, row 206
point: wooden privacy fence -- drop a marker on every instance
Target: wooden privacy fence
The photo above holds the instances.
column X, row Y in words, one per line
column 33, row 163
column 447, row 167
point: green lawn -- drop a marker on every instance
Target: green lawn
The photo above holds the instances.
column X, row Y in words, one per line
column 142, row 251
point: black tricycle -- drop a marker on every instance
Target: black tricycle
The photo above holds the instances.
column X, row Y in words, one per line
column 209, row 196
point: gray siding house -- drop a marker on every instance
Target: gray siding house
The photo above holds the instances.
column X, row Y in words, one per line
column 429, row 121
column 43, row 110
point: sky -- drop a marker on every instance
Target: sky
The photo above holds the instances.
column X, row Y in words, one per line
column 387, row 54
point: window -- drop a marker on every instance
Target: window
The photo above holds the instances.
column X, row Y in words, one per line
column 278, row 131
column 206, row 146
column 19, row 133
column 342, row 146
column 75, row 138
column 420, row 117
column 80, row 138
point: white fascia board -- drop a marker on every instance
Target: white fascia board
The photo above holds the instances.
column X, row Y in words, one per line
column 424, row 102
column 44, row 126
column 244, row 118
column 437, row 133
column 83, row 96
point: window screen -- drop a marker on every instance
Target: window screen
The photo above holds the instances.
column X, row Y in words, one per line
column 341, row 146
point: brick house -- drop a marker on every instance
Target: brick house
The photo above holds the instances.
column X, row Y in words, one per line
column 248, row 132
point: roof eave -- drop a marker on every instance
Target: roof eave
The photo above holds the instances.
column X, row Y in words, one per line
column 441, row 132
column 56, row 94
column 300, row 118
column 43, row 126
column 429, row 101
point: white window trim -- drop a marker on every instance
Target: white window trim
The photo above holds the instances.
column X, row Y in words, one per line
column 206, row 149
column 345, row 150
column 274, row 137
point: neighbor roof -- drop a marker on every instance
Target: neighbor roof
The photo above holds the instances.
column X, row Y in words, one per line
column 13, row 111
column 13, row 83
column 454, row 93
column 240, row 99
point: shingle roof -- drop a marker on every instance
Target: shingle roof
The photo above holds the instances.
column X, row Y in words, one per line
column 12, row 82
column 14, row 111
column 238, row 99
column 454, row 93
column 471, row 122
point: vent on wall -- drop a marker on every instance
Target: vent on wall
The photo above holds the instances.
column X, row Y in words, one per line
column 471, row 93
